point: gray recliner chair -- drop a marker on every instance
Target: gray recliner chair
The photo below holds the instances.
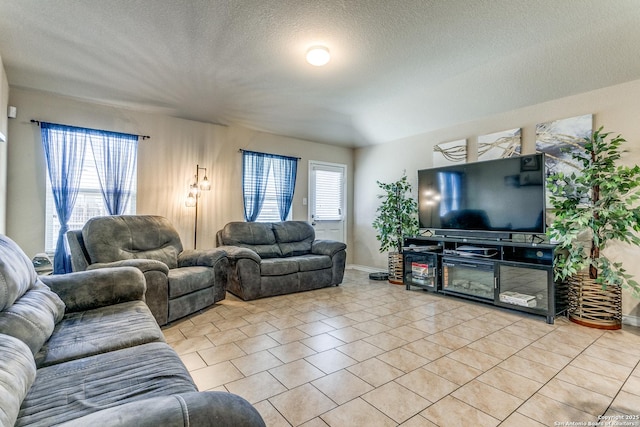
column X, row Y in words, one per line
column 179, row 282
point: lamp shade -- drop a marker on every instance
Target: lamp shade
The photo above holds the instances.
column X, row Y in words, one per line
column 191, row 197
column 205, row 184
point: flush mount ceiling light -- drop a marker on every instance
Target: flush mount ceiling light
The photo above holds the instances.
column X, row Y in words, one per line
column 318, row 56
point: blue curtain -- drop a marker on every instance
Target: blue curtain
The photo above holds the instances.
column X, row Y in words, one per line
column 64, row 149
column 284, row 174
column 115, row 158
column 255, row 172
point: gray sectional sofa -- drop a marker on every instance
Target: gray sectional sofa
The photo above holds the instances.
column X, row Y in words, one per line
column 83, row 349
column 179, row 281
column 267, row 259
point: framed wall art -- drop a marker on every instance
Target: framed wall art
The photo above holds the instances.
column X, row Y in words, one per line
column 500, row 145
column 558, row 138
column 448, row 153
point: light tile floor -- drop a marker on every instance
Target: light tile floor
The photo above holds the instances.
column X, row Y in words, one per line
column 370, row 353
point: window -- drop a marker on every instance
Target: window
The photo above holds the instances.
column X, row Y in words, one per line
column 269, row 211
column 89, row 202
column 268, row 183
column 329, row 193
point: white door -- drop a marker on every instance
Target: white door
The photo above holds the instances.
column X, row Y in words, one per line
column 327, row 200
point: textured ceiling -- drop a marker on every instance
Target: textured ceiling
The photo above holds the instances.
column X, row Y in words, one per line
column 398, row 67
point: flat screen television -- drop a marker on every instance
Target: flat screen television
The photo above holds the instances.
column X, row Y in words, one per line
column 493, row 198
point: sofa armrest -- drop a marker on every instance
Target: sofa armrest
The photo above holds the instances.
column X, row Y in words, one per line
column 200, row 257
column 17, row 375
column 141, row 264
column 235, row 253
column 207, row 408
column 327, row 247
column 156, row 275
column 86, row 290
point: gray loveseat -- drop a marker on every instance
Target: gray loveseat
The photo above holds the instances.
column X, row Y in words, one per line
column 179, row 282
column 83, row 349
column 267, row 259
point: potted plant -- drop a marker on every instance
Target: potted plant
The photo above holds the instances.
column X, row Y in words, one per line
column 593, row 208
column 397, row 217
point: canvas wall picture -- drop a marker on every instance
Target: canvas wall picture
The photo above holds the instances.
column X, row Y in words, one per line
column 558, row 138
column 500, row 145
column 448, row 153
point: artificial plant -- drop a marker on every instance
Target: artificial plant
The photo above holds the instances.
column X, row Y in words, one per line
column 602, row 200
column 397, row 216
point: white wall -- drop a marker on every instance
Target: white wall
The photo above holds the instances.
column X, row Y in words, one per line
column 166, row 165
column 616, row 108
column 4, row 102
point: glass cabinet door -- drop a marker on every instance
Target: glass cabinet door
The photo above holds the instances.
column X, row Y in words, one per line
column 524, row 286
column 420, row 269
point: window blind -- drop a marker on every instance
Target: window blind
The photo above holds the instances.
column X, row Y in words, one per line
column 329, row 195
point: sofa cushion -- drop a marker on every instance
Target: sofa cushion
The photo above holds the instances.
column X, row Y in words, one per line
column 98, row 331
column 114, row 238
column 17, row 374
column 16, row 272
column 313, row 262
column 257, row 236
column 80, row 387
column 185, row 280
column 33, row 316
column 278, row 266
column 294, row 237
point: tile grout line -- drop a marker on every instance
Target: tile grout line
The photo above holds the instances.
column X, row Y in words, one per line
column 620, row 389
column 554, row 376
column 346, row 299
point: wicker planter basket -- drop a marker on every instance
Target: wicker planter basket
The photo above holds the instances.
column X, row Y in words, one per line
column 395, row 268
column 589, row 305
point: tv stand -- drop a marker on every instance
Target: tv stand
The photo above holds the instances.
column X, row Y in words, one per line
column 508, row 274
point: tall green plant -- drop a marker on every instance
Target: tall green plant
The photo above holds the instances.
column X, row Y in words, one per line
column 397, row 215
column 601, row 199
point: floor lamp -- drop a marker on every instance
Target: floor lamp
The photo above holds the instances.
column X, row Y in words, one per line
column 192, row 198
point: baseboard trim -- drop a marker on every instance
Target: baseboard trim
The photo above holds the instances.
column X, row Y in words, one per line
column 364, row 268
column 631, row 320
